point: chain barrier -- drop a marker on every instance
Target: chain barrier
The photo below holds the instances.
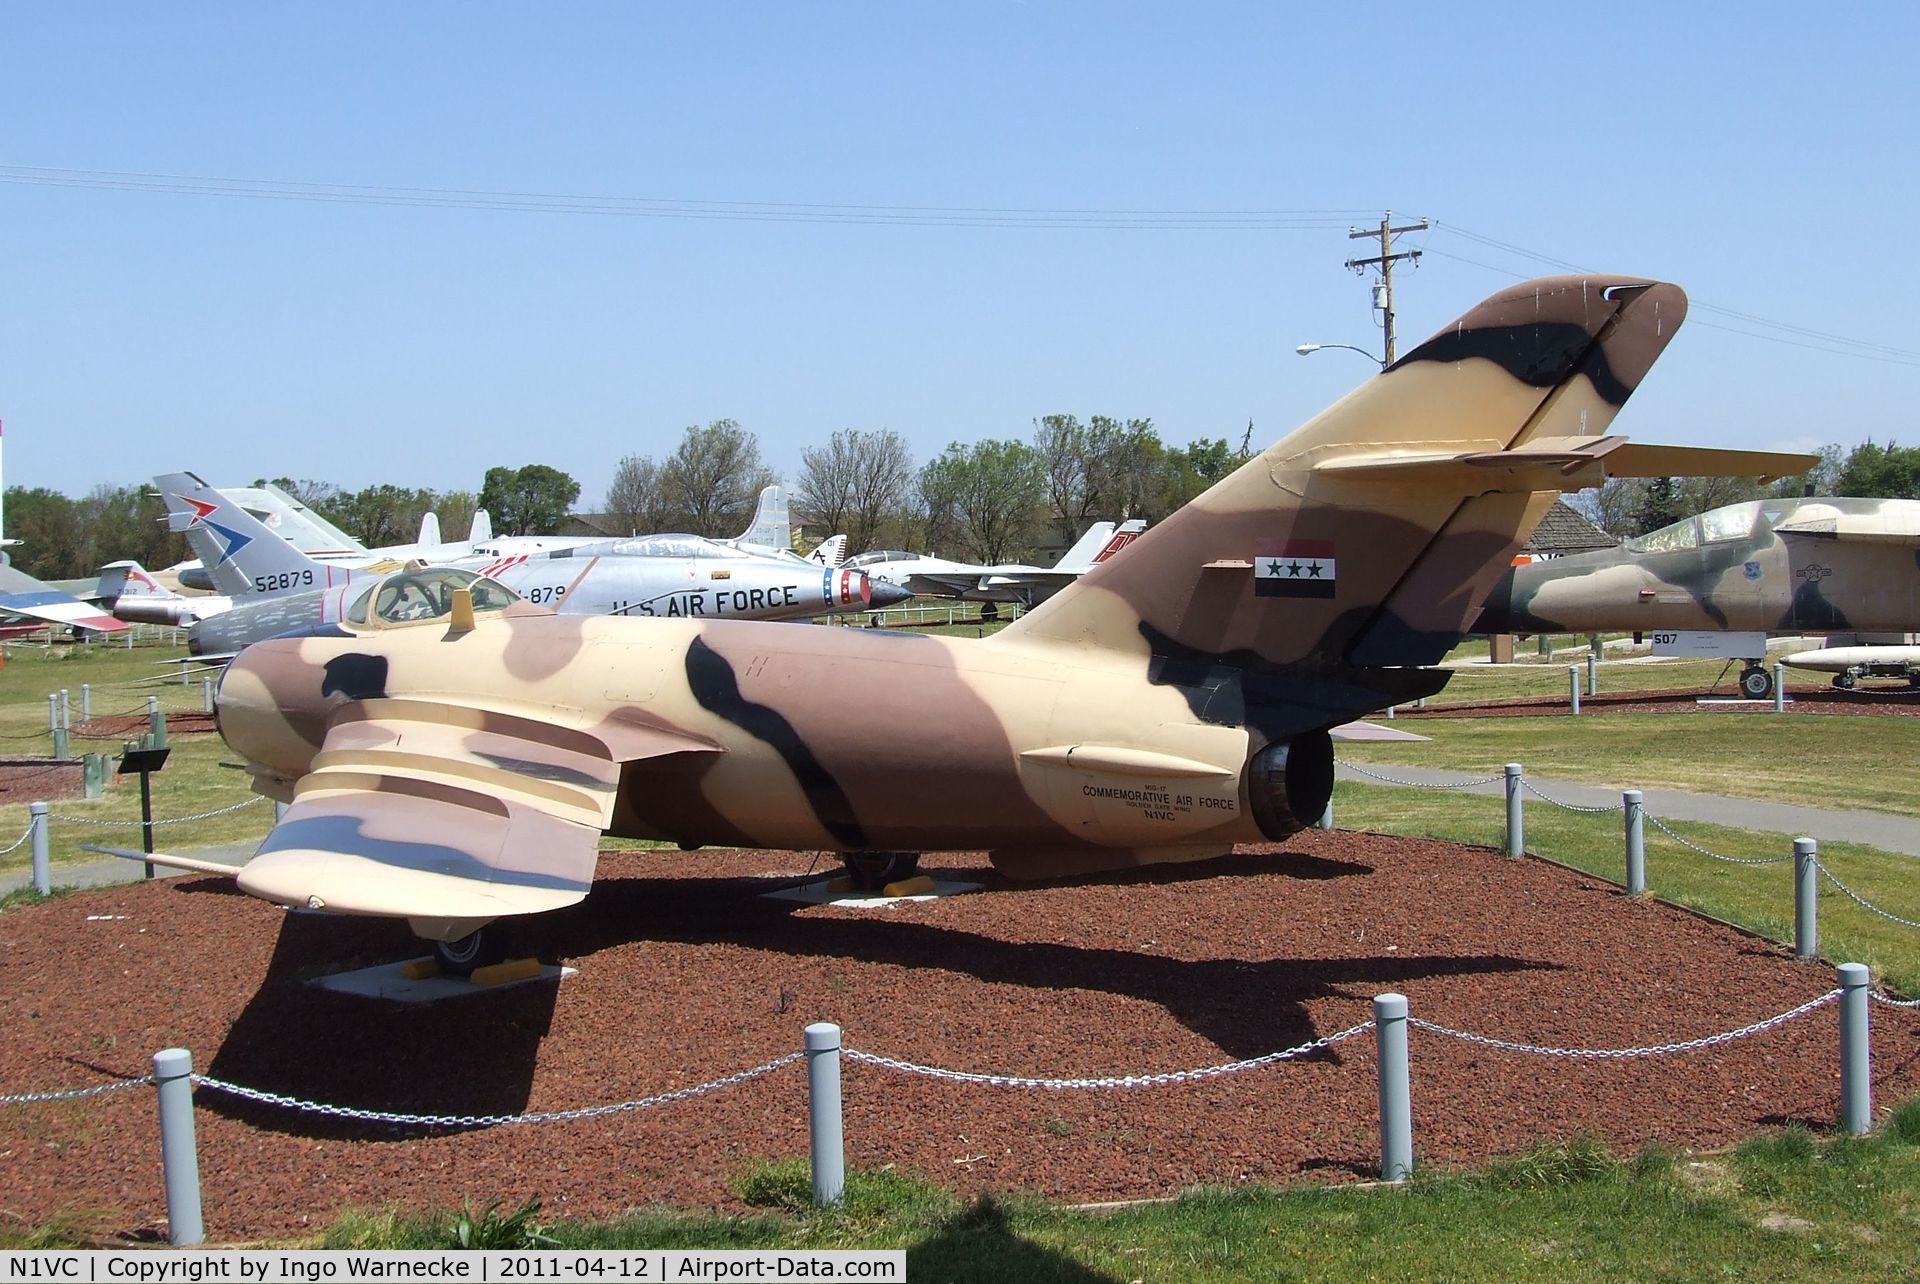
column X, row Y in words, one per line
column 1110, row 1081
column 1894, row 1003
column 1419, row 784
column 491, row 1121
column 73, row 1094
column 1660, row 825
column 1617, row 1054
column 1529, row 786
column 171, row 820
column 14, row 846
column 1856, row 897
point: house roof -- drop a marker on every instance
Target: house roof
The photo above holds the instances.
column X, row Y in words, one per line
column 1564, row 530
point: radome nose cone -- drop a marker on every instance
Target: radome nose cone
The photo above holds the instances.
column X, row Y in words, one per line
column 881, row 593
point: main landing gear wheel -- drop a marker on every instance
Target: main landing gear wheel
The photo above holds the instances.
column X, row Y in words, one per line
column 1756, row 683
column 1844, row 681
column 871, row 871
column 482, row 947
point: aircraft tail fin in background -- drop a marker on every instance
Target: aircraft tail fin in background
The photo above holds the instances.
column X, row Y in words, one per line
column 1080, row 556
column 430, row 529
column 1370, row 536
column 772, row 526
column 130, row 579
column 481, row 530
column 831, row 552
column 241, row 554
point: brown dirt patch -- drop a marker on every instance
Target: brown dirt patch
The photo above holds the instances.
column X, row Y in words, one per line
column 686, row 975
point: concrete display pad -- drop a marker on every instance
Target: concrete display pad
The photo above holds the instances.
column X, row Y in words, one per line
column 822, row 892
column 397, row 981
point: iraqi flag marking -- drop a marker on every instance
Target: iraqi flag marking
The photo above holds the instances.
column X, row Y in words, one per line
column 1294, row 568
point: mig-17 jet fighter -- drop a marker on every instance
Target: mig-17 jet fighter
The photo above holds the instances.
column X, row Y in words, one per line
column 460, row 769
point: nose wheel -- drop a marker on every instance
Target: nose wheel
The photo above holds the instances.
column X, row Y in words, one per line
column 871, row 871
column 479, row 948
column 1756, row 683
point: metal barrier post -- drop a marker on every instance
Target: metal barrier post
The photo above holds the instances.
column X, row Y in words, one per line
column 1593, row 674
column 86, row 702
column 1573, row 687
column 279, row 811
column 206, row 694
column 53, row 712
column 66, row 712
column 1326, row 817
column 1636, row 842
column 1396, row 1094
column 823, row 1113
column 1516, row 822
column 1806, row 921
column 1389, row 713
column 1856, row 1079
column 173, row 1077
column 42, row 863
column 1779, row 688
column 156, row 724
column 60, row 743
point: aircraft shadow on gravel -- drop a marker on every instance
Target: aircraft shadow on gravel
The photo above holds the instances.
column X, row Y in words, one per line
column 1246, row 1007
column 477, row 1055
column 471, row 1056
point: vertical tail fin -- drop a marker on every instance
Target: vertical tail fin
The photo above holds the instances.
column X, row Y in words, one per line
column 430, row 529
column 771, row 526
column 1369, row 536
column 1081, row 555
column 241, row 554
column 481, row 529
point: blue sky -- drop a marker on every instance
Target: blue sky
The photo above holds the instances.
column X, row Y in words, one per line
column 1760, row 155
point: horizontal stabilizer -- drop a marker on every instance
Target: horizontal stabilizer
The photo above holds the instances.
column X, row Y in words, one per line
column 1562, row 463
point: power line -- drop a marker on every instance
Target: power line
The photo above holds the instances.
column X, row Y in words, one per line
column 679, row 208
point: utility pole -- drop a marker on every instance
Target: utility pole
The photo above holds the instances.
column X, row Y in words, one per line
column 1385, row 261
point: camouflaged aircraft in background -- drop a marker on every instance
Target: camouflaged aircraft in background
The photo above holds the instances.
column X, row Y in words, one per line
column 1719, row 583
column 1167, row 705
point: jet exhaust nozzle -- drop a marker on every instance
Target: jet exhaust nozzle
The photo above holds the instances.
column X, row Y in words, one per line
column 1289, row 783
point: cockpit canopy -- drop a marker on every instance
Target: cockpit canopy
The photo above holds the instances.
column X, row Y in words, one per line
column 420, row 596
column 881, row 555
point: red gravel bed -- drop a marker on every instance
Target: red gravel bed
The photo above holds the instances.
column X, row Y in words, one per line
column 686, row 974
column 131, row 726
column 25, row 780
column 1884, row 702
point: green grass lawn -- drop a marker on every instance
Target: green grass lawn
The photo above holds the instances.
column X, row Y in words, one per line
column 1785, row 1207
column 1758, row 897
column 1826, row 760
column 192, row 782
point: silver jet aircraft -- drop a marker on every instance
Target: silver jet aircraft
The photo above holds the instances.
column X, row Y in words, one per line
column 278, row 589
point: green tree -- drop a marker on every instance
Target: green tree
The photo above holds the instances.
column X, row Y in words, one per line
column 986, row 496
column 528, row 501
column 713, row 477
column 1105, row 467
column 382, row 514
column 1188, row 471
column 1891, row 471
column 855, row 483
column 1659, row 506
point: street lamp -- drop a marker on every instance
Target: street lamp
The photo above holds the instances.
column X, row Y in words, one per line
column 1307, row 349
